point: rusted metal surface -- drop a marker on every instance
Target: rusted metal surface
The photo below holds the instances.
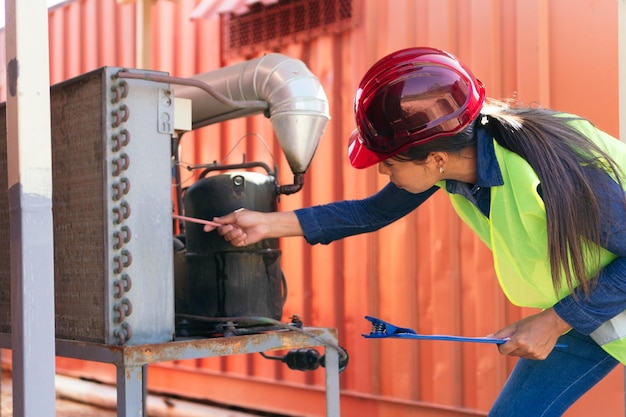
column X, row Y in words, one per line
column 203, row 348
column 189, row 348
column 131, row 361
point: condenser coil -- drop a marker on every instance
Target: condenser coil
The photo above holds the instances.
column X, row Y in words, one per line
column 112, row 202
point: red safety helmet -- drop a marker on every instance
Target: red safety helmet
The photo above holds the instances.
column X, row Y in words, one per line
column 410, row 97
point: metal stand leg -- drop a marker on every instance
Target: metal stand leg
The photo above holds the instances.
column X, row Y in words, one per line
column 144, row 393
column 130, row 391
column 332, row 382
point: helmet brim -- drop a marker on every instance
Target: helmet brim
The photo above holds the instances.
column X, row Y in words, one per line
column 360, row 157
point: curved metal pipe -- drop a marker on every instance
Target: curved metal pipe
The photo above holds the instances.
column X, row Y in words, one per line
column 298, row 182
column 250, row 105
column 297, row 105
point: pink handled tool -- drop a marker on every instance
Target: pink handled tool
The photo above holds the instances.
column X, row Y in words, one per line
column 196, row 220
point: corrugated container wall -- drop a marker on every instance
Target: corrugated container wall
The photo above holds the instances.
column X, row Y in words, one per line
column 426, row 271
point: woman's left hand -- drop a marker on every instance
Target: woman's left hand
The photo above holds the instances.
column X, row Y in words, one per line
column 533, row 337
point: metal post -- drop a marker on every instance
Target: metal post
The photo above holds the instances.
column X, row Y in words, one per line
column 30, row 208
column 144, row 391
column 143, row 33
column 331, row 358
column 130, row 391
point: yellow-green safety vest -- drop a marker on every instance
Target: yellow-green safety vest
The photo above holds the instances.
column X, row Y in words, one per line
column 516, row 233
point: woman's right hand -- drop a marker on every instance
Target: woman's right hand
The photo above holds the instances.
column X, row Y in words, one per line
column 245, row 227
column 241, row 227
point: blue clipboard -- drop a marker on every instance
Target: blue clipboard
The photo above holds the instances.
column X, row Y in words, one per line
column 382, row 330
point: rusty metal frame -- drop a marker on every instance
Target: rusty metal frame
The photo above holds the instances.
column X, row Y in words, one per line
column 130, row 361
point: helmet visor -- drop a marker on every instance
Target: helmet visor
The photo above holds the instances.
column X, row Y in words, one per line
column 413, row 109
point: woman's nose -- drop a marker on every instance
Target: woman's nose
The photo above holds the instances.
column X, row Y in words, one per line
column 382, row 169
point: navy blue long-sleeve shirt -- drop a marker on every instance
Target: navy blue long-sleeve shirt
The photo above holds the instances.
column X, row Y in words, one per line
column 330, row 222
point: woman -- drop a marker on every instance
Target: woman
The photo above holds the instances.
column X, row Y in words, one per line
column 543, row 190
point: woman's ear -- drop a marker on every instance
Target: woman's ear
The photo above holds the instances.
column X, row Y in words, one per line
column 439, row 158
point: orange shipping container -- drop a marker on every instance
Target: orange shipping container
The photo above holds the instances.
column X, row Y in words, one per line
column 426, row 271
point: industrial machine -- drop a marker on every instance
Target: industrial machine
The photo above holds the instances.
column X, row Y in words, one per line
column 220, row 288
column 133, row 286
column 115, row 132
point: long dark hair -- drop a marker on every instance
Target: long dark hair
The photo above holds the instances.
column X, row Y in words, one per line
column 572, row 170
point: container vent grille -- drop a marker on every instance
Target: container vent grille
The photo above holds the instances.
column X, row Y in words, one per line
column 268, row 28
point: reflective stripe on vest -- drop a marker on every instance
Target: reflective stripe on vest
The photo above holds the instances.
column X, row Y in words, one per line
column 517, row 235
column 610, row 330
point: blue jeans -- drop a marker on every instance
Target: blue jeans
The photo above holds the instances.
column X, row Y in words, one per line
column 548, row 388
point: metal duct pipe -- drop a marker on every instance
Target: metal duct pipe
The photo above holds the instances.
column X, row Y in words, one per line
column 296, row 103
